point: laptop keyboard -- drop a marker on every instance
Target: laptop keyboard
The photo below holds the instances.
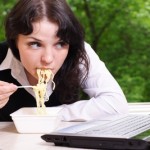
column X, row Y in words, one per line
column 127, row 127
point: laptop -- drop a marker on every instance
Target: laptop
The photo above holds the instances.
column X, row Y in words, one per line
column 129, row 132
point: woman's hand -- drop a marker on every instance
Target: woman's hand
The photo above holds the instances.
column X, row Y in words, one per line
column 6, row 89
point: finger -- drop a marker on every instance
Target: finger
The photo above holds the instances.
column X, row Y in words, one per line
column 7, row 88
column 3, row 103
column 5, row 96
column 3, row 83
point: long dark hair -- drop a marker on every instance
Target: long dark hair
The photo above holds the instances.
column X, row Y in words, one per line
column 19, row 21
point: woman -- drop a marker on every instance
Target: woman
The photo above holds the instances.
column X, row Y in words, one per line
column 46, row 34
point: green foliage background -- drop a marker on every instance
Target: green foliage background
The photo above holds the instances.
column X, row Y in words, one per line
column 119, row 32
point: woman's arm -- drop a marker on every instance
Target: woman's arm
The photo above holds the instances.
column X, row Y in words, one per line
column 106, row 96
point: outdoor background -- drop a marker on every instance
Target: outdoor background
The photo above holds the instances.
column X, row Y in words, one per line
column 119, row 32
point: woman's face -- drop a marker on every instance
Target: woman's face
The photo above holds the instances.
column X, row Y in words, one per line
column 41, row 49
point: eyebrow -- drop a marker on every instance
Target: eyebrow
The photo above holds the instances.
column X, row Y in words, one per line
column 35, row 39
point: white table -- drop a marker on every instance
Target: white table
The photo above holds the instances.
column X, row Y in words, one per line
column 10, row 139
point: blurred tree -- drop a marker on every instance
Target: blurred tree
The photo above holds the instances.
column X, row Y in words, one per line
column 5, row 6
column 119, row 33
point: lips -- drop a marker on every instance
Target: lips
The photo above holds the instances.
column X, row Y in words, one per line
column 44, row 68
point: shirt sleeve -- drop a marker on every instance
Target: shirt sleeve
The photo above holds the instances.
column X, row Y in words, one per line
column 106, row 96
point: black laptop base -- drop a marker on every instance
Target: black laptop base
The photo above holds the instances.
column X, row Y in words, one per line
column 97, row 142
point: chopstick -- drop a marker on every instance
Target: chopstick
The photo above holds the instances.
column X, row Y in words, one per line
column 26, row 86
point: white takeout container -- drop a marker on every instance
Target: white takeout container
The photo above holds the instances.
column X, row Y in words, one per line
column 27, row 120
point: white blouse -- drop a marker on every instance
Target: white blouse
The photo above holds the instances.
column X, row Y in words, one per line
column 106, row 96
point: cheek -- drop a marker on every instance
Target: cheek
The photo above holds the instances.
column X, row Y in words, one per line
column 26, row 58
column 63, row 57
column 60, row 59
column 28, row 61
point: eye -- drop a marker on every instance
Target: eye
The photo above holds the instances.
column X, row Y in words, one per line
column 34, row 45
column 60, row 44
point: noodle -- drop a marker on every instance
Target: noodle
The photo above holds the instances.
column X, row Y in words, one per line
column 44, row 76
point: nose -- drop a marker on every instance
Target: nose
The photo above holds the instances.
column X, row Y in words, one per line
column 47, row 56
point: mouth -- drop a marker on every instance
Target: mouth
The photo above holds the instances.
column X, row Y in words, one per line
column 43, row 69
column 40, row 71
column 44, row 75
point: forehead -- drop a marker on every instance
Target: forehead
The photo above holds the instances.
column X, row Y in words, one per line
column 45, row 27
